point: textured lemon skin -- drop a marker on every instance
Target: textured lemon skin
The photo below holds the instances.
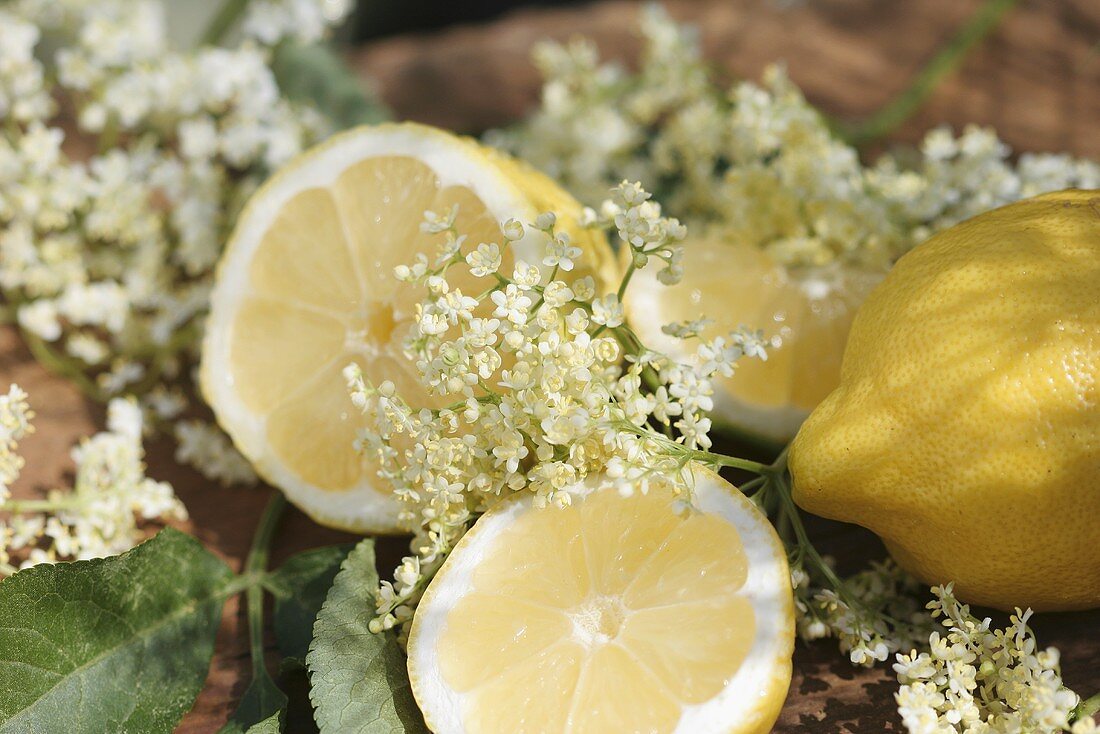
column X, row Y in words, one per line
column 966, row 428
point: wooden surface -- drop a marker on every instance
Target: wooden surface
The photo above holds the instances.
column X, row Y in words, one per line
column 1037, row 79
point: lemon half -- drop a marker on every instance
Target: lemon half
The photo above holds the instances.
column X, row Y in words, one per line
column 306, row 286
column 616, row 614
column 807, row 312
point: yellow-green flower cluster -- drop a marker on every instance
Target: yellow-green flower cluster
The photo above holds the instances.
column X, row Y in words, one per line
column 546, row 388
column 979, row 680
column 872, row 614
column 123, row 161
column 101, row 514
column 757, row 163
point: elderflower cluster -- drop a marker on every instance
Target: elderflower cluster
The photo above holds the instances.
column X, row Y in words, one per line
column 101, row 514
column 304, row 21
column 15, row 423
column 978, row 680
column 536, row 383
column 757, row 164
column 872, row 614
column 123, row 163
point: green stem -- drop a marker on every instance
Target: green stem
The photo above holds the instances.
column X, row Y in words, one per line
column 732, row 462
column 23, row 506
column 752, row 485
column 254, row 567
column 54, row 362
column 949, row 58
column 227, row 16
column 1088, row 707
column 626, row 280
column 620, row 293
column 778, row 483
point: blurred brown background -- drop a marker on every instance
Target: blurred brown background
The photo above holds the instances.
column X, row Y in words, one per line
column 1036, row 78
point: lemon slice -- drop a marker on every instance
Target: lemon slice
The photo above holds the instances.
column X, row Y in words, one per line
column 306, row 287
column 616, row 614
column 807, row 311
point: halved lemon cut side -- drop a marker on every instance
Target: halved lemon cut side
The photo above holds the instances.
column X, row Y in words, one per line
column 306, row 287
column 615, row 614
column 807, row 311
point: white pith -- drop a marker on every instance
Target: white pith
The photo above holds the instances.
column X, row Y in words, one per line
column 739, row 707
column 455, row 163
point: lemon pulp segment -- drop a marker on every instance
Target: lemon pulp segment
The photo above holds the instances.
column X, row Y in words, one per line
column 322, row 294
column 808, row 313
column 613, row 615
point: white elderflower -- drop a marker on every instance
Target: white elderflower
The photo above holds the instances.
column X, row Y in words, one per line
column 977, row 680
column 540, row 397
column 871, row 614
column 306, row 21
column 202, row 446
column 122, row 168
column 757, row 164
column 485, row 260
column 15, row 423
column 101, row 514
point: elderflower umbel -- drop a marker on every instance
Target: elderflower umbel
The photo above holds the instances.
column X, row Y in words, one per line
column 872, row 614
column 123, row 164
column 15, row 423
column 101, row 514
column 757, row 164
column 545, row 387
column 978, row 680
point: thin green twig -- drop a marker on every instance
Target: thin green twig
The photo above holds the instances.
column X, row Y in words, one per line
column 1088, row 707
column 17, row 507
column 255, row 566
column 947, row 60
column 224, row 20
column 56, row 363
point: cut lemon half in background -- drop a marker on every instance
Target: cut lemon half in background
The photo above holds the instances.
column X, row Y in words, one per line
column 807, row 311
column 615, row 614
column 306, row 286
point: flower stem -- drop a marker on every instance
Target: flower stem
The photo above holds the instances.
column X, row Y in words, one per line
column 227, row 16
column 16, row 507
column 1088, row 707
column 949, row 58
column 793, row 521
column 626, row 280
column 54, row 362
column 255, row 566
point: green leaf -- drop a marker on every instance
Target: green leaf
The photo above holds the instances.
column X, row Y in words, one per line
column 114, row 644
column 313, row 74
column 360, row 681
column 261, row 703
column 271, row 725
column 299, row 588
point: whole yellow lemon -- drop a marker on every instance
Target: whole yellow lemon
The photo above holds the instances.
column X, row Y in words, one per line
column 966, row 428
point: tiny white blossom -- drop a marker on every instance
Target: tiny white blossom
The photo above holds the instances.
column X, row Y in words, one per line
column 485, row 260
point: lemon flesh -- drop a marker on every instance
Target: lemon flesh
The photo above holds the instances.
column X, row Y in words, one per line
column 965, row 431
column 322, row 295
column 807, row 312
column 307, row 287
column 614, row 614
